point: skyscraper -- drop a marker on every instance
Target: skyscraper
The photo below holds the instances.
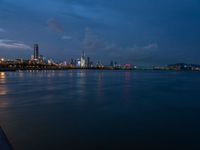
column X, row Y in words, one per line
column 36, row 51
column 112, row 63
column 88, row 62
column 83, row 61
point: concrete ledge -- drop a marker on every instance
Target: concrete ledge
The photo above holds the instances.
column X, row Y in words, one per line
column 4, row 142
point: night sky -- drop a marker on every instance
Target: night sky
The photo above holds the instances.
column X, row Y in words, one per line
column 128, row 31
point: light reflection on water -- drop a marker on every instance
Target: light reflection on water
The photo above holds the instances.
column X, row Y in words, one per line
column 3, row 90
column 2, row 77
column 3, row 103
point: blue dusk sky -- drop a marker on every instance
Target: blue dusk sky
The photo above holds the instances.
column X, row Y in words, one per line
column 150, row 32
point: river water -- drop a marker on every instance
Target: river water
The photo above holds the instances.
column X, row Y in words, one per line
column 91, row 109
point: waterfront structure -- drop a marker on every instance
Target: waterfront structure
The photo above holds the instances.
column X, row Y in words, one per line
column 4, row 142
column 73, row 62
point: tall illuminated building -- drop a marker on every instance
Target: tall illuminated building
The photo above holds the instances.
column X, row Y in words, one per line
column 83, row 61
column 36, row 51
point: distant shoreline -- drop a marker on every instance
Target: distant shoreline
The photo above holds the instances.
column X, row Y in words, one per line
column 100, row 69
column 57, row 69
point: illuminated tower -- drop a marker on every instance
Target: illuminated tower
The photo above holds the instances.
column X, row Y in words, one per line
column 36, row 51
column 83, row 61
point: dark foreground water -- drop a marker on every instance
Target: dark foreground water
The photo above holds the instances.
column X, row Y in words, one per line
column 89, row 110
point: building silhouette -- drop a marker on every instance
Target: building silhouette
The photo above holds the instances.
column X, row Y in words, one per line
column 88, row 62
column 36, row 51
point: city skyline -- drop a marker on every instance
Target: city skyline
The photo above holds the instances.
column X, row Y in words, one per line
column 37, row 61
column 136, row 32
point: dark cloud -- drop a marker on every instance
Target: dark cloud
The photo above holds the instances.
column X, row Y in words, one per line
column 66, row 37
column 96, row 45
column 92, row 41
column 2, row 30
column 156, row 31
column 11, row 44
column 54, row 25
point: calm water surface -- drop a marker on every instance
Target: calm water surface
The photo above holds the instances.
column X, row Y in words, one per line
column 90, row 110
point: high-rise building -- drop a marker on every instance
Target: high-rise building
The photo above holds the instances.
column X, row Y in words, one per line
column 36, row 51
column 115, row 65
column 112, row 63
column 88, row 62
column 83, row 60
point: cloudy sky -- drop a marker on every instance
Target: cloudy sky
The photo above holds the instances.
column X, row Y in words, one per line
column 132, row 31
